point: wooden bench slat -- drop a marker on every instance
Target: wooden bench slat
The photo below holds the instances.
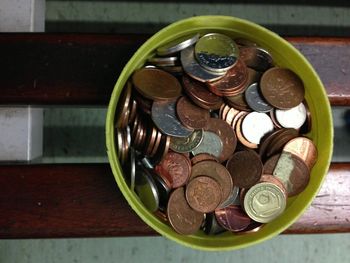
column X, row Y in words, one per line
column 45, row 201
column 82, row 69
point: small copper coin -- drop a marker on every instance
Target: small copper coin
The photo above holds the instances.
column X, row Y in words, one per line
column 240, row 137
column 270, row 164
column 282, row 88
column 156, row 84
column 122, row 111
column 203, row 194
column 280, row 140
column 304, row 148
column 245, row 168
column 252, row 228
column 133, row 111
column 238, row 101
column 178, row 167
column 232, row 218
column 190, row 115
column 181, row 216
column 292, row 172
column 255, row 100
column 266, row 141
column 203, row 157
column 226, row 134
column 216, row 171
column 156, row 144
column 162, row 149
column 256, row 58
column 231, row 114
column 223, row 111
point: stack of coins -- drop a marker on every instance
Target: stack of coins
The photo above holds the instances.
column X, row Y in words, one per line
column 209, row 134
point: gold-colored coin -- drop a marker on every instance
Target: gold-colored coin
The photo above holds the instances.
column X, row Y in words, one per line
column 264, row 202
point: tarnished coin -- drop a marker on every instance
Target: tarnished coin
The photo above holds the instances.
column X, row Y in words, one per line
column 210, row 144
column 163, row 61
column 256, row 58
column 156, row 84
column 238, row 101
column 277, row 143
column 203, row 157
column 216, row 52
column 292, row 172
column 266, row 141
column 291, row 118
column 304, row 148
column 282, row 88
column 203, row 194
column 232, row 199
column 122, row 112
column 145, row 188
column 190, row 115
column 216, row 171
column 212, row 226
column 196, row 71
column 163, row 190
column 176, row 166
column 164, row 117
column 186, row 144
column 226, row 134
column 232, row 218
column 255, row 100
column 264, row 202
column 270, row 164
column 181, row 216
column 177, row 45
column 255, row 125
column 245, row 168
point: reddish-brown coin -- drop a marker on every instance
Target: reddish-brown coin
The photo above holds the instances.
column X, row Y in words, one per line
column 181, row 216
column 231, row 114
column 122, row 111
column 277, row 143
column 252, row 228
column 240, row 136
column 256, row 58
column 203, row 194
column 156, row 84
column 269, row 178
column 190, row 115
column 226, row 134
column 178, row 167
column 238, row 102
column 304, row 148
column 282, row 88
column 203, row 157
column 270, row 164
column 232, row 218
column 245, row 168
column 216, row 171
column 266, row 140
column 162, row 149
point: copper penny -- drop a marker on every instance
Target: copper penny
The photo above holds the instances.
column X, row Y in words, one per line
column 282, row 88
column 156, row 143
column 156, row 84
column 223, row 111
column 231, row 114
column 269, row 178
column 280, row 140
column 292, row 172
column 252, row 228
column 240, row 136
column 200, row 95
column 178, row 168
column 232, row 218
column 238, row 101
column 266, row 141
column 245, row 42
column 270, row 164
column 256, row 58
column 273, row 118
column 203, row 157
column 133, row 111
column 181, row 216
column 190, row 115
column 245, row 168
column 216, row 171
column 162, row 149
column 144, row 104
column 203, row 194
column 122, row 112
column 304, row 148
column 150, row 139
column 226, row 134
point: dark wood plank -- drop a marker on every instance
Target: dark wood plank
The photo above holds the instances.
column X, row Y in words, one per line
column 83, row 68
column 42, row 201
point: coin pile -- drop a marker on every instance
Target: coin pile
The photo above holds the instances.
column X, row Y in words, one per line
column 209, row 134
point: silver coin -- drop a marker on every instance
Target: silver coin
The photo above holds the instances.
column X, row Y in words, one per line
column 147, row 163
column 292, row 118
column 216, row 52
column 164, row 117
column 132, row 169
column 186, row 144
column 232, row 199
column 177, row 45
column 211, row 226
column 256, row 58
column 146, row 189
column 167, row 61
column 193, row 69
column 255, row 125
column 119, row 142
column 255, row 100
column 211, row 144
column 163, row 191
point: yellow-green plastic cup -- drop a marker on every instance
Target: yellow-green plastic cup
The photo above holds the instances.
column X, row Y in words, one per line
column 285, row 55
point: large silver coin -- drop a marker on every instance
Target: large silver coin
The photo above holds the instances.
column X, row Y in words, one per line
column 255, row 125
column 194, row 70
column 177, row 45
column 216, row 52
column 186, row 144
column 292, row 118
column 164, row 117
column 211, row 144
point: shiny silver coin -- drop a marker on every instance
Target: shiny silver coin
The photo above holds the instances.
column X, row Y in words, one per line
column 164, row 117
column 186, row 144
column 255, row 100
column 177, row 45
column 232, row 199
column 194, row 70
column 255, row 125
column 146, row 189
column 292, row 118
column 166, row 61
column 211, row 144
column 216, row 52
column 147, row 163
